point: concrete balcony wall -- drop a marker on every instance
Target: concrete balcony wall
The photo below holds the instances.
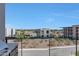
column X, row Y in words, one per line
column 2, row 21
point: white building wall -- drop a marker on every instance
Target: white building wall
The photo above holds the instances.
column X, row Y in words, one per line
column 34, row 34
column 9, row 32
column 12, row 32
column 74, row 32
column 44, row 33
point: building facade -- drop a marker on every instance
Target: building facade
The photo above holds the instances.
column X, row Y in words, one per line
column 26, row 32
column 38, row 33
column 76, row 31
column 68, row 31
column 57, row 33
column 71, row 32
column 9, row 32
column 45, row 33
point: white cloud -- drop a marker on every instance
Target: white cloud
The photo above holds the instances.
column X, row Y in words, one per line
column 9, row 26
column 50, row 20
column 69, row 15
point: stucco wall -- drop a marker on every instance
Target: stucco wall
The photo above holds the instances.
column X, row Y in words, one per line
column 2, row 21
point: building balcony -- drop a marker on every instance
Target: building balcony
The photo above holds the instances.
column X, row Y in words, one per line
column 10, row 50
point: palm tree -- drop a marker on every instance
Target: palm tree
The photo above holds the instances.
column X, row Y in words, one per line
column 20, row 37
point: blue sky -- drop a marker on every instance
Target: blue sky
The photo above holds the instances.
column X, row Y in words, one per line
column 41, row 15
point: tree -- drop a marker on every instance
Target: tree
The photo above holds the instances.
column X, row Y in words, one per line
column 20, row 37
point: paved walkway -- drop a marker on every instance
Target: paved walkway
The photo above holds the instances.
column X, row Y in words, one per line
column 54, row 51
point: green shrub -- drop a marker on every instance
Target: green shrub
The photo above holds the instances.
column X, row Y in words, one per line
column 77, row 53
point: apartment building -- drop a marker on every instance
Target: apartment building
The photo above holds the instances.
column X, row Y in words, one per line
column 26, row 32
column 38, row 33
column 57, row 33
column 68, row 32
column 71, row 32
column 44, row 33
column 9, row 32
column 75, row 31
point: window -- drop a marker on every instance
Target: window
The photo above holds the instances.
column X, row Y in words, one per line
column 42, row 36
column 47, row 35
column 47, row 31
column 76, row 27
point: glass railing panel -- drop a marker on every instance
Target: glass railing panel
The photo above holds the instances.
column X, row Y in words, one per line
column 62, row 47
column 35, row 47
